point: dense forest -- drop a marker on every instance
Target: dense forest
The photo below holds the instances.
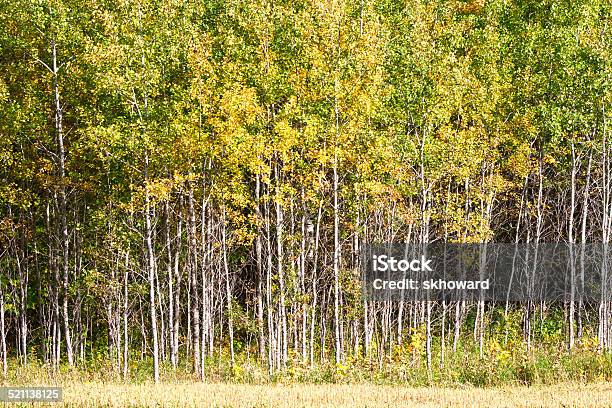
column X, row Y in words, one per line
column 187, row 184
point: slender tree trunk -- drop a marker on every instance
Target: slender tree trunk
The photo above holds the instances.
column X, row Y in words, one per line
column 280, row 269
column 61, row 157
column 228, row 292
column 195, row 297
column 269, row 309
column 302, row 277
column 3, row 333
column 583, row 239
column 179, row 277
column 336, row 265
column 170, row 287
column 259, row 271
column 151, row 272
column 206, row 261
column 606, row 229
column 126, row 343
column 571, row 317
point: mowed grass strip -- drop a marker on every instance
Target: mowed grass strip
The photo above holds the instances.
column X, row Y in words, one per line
column 330, row 395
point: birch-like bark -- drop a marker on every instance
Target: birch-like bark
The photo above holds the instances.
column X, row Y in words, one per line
column 61, row 157
column 151, row 272
column 228, row 292
column 3, row 333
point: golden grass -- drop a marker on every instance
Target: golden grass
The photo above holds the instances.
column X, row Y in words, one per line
column 329, row 395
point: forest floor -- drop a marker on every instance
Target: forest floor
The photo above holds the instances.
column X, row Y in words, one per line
column 96, row 394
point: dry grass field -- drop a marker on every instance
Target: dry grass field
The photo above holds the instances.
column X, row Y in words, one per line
column 354, row 396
